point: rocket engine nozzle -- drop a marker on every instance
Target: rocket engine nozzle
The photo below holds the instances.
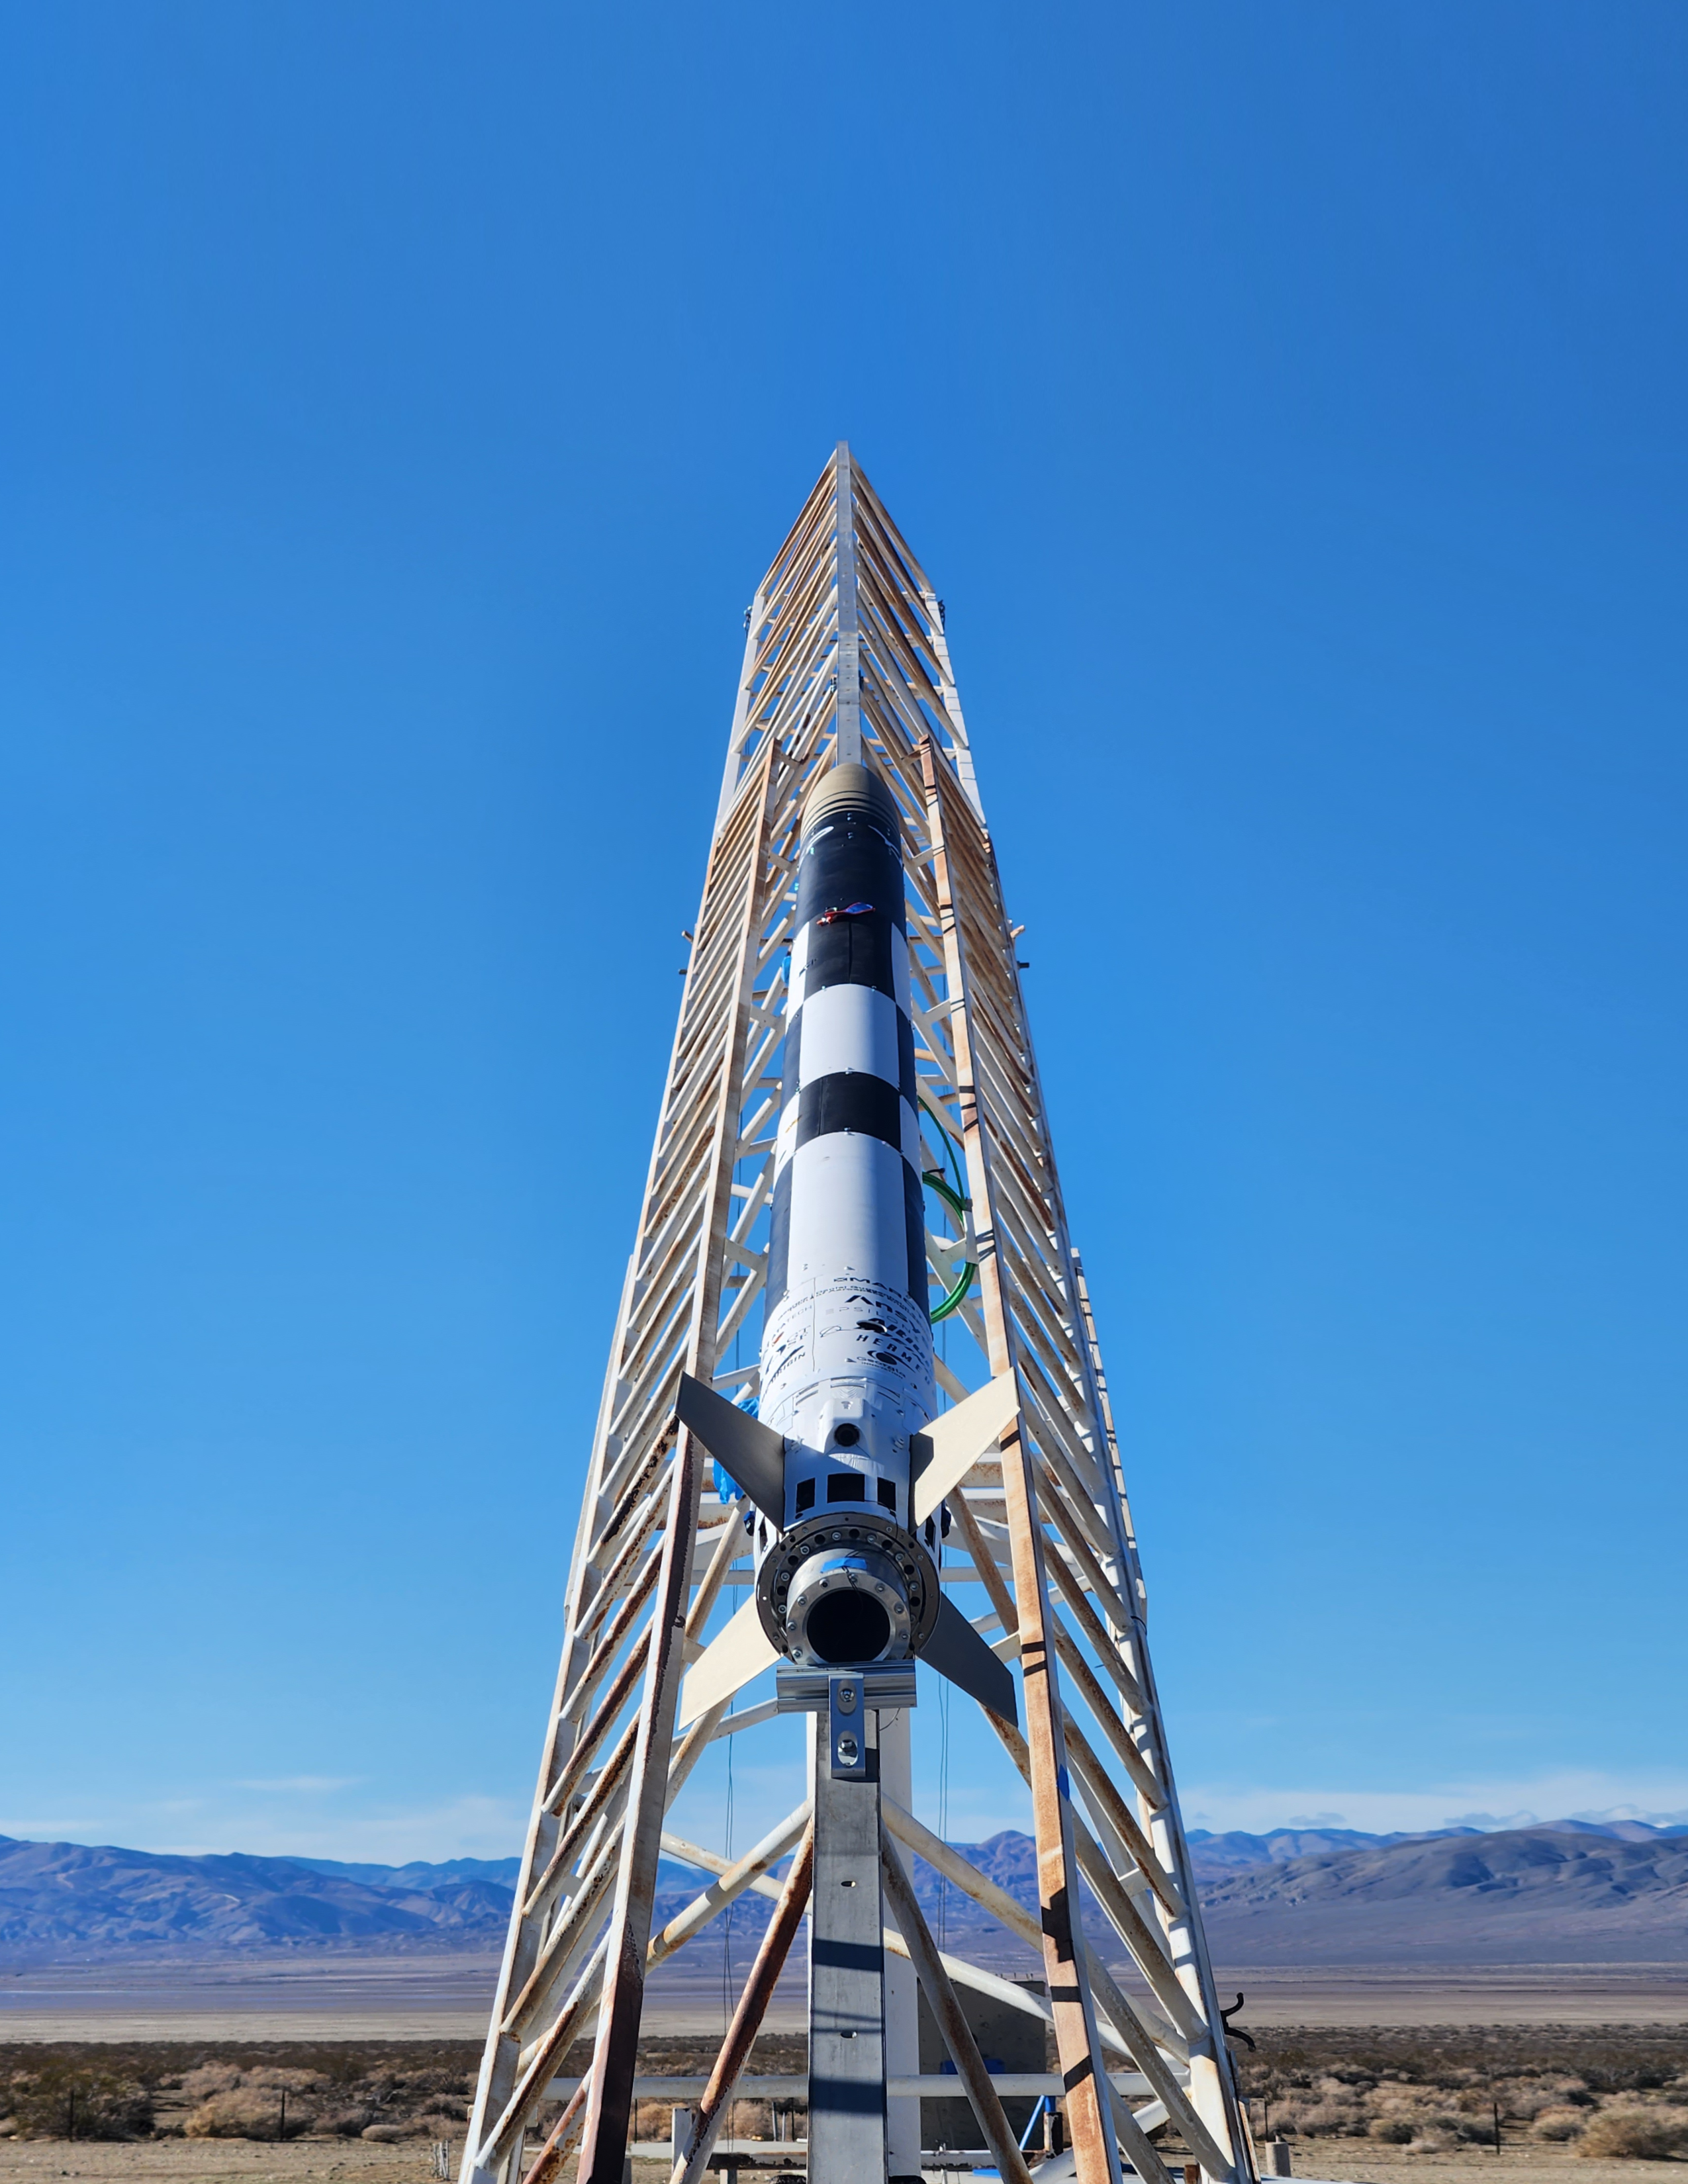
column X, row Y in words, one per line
column 847, row 1606
column 834, row 1593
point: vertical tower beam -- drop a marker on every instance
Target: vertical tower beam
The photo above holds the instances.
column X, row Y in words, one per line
column 1078, row 2039
column 848, row 671
column 609, row 2089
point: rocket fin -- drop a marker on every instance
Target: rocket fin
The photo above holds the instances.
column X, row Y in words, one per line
column 957, row 1440
column 753, row 1453
column 732, row 1657
column 956, row 1651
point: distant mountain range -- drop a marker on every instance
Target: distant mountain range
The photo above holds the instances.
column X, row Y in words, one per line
column 69, row 1899
column 1235, row 1852
column 1570, row 1892
column 501, row 1871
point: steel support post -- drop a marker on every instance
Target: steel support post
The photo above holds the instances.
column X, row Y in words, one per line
column 902, row 1989
column 846, row 1951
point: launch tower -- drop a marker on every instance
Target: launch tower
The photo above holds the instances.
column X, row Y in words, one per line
column 853, row 1147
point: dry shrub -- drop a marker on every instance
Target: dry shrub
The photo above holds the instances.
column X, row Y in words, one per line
column 247, row 2112
column 61, row 2100
column 1392, row 2130
column 1444, row 2123
column 1527, row 2098
column 1435, row 2142
column 1559, row 2123
column 292, row 2082
column 1634, row 2134
column 346, row 2123
column 1330, row 2119
column 386, row 2134
column 211, row 2078
column 1338, row 2111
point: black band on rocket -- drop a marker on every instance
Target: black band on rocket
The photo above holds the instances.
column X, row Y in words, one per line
column 779, row 1238
column 907, row 1083
column 853, row 1099
column 851, row 862
column 851, row 951
column 914, row 1219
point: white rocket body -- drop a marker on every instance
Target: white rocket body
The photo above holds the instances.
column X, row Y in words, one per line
column 846, row 1357
column 847, row 1340
column 845, row 1577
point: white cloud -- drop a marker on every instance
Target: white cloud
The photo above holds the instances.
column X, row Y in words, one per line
column 314, row 1816
column 462, row 1827
column 57, row 1829
column 304, row 1783
column 299, row 1817
column 1499, row 1803
column 1634, row 1812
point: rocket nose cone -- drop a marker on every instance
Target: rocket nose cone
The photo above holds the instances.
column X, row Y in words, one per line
column 850, row 787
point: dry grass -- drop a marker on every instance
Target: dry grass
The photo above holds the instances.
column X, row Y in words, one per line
column 1630, row 2131
column 265, row 2091
column 1354, row 2102
column 1617, row 2092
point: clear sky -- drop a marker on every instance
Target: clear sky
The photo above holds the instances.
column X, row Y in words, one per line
column 397, row 404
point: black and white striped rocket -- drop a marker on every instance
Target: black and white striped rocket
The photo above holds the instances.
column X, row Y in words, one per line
column 839, row 1460
column 847, row 1341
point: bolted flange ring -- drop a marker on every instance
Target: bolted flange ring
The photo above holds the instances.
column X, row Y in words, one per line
column 853, row 1588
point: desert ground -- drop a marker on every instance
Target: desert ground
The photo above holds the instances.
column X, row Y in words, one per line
column 448, row 1997
column 178, row 2161
column 1433, row 2058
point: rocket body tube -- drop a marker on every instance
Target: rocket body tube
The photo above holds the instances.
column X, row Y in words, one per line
column 846, row 1356
column 845, row 1576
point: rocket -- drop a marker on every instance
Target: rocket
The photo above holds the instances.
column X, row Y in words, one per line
column 846, row 1464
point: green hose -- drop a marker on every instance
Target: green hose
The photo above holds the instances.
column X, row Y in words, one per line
column 960, row 1206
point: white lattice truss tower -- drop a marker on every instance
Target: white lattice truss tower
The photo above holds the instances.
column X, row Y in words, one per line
column 845, row 658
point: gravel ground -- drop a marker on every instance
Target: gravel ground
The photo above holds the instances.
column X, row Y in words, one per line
column 178, row 2161
column 1360, row 2163
column 1317, row 2079
column 215, row 2161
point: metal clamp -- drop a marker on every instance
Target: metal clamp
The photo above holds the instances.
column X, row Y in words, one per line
column 809, row 1690
column 847, row 1725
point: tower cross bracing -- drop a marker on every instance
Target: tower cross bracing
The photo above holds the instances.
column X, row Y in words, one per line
column 846, row 664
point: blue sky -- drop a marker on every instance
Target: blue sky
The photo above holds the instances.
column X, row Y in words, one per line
column 397, row 406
